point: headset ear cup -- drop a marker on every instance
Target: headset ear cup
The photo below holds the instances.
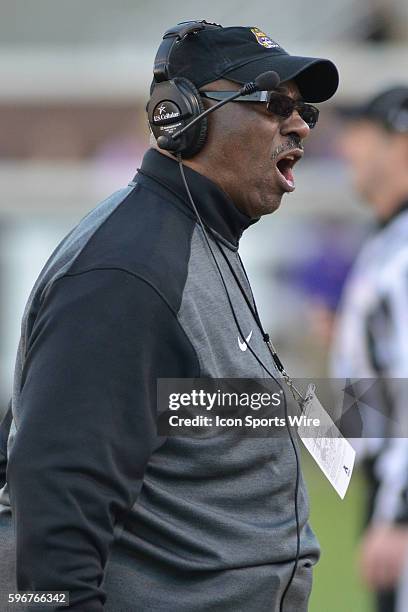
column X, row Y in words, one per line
column 181, row 101
column 198, row 134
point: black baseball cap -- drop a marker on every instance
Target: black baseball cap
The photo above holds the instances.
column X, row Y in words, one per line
column 389, row 108
column 240, row 54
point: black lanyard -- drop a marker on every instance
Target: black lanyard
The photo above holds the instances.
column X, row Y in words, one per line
column 254, row 311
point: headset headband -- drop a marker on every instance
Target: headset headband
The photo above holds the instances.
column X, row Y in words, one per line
column 170, row 38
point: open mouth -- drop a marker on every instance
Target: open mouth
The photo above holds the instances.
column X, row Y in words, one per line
column 284, row 166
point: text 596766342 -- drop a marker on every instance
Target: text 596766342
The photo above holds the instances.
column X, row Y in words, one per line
column 42, row 598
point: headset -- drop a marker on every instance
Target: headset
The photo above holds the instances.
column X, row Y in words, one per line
column 174, row 103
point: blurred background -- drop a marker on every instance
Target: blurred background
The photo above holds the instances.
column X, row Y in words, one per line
column 75, row 81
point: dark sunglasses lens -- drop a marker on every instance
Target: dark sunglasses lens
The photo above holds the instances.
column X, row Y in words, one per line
column 309, row 114
column 283, row 106
column 280, row 105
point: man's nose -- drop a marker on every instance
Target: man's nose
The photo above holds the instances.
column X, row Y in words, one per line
column 295, row 124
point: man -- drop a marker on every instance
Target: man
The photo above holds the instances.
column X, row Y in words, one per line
column 103, row 507
column 371, row 339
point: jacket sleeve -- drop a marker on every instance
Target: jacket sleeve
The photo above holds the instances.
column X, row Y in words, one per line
column 86, row 425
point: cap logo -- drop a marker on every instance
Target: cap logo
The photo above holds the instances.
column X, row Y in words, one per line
column 264, row 40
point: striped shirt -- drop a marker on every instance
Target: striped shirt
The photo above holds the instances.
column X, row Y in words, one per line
column 371, row 342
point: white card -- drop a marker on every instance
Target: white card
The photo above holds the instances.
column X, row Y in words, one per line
column 332, row 453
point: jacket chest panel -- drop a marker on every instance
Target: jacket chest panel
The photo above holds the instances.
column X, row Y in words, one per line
column 208, row 320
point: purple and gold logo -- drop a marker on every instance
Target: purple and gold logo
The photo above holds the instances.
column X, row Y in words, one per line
column 263, row 39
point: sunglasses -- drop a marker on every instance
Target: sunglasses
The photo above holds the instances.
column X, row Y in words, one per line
column 276, row 104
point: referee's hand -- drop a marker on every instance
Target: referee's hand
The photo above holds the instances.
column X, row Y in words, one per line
column 382, row 555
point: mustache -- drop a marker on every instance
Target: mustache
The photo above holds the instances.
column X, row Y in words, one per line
column 293, row 142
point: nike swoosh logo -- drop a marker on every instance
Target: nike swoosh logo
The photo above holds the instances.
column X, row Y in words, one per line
column 244, row 345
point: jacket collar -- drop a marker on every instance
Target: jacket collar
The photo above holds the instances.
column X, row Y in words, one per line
column 216, row 209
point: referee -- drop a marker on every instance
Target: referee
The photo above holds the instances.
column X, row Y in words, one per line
column 371, row 341
column 102, row 506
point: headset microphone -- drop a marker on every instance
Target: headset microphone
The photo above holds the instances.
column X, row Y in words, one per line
column 263, row 82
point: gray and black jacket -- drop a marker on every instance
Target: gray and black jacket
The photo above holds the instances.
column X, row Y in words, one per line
column 102, row 506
